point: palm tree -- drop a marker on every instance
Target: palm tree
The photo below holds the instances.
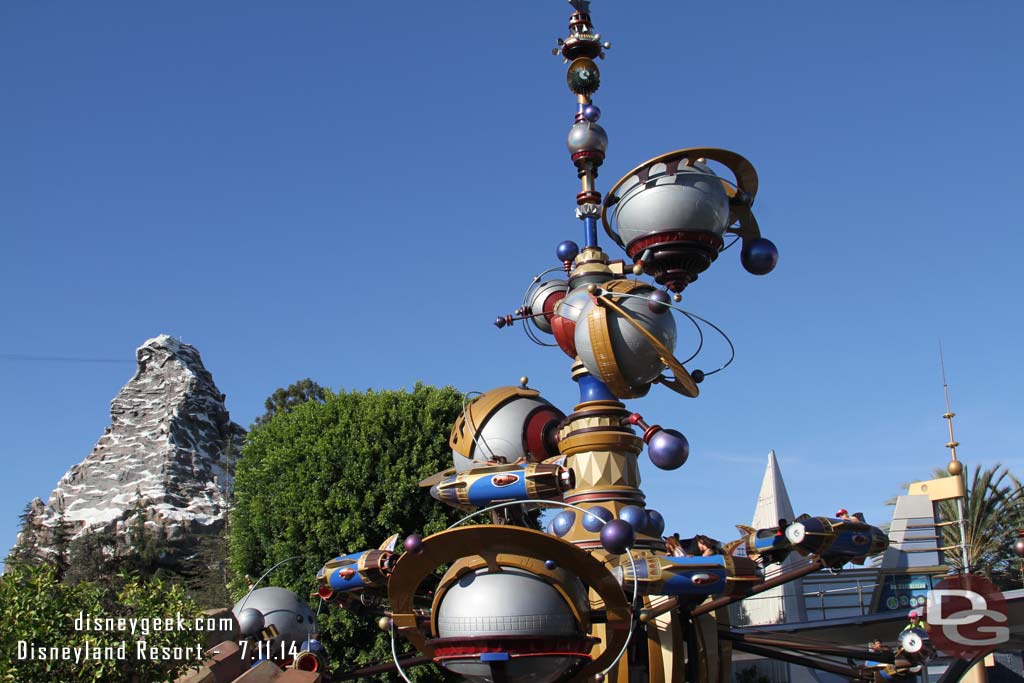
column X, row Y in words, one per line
column 993, row 513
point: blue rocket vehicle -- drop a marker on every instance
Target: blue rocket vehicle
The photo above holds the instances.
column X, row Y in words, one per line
column 489, row 484
column 768, row 546
column 694, row 577
column 836, row 541
column 356, row 572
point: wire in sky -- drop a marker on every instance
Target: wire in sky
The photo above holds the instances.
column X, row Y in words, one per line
column 61, row 359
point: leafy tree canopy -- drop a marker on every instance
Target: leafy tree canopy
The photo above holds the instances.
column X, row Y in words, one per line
column 284, row 400
column 334, row 477
column 39, row 609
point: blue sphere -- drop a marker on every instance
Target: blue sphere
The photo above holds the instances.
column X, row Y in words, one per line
column 562, row 522
column 551, row 564
column 658, row 301
column 617, row 536
column 759, row 256
column 668, row 449
column 655, row 523
column 596, row 518
column 567, row 250
column 591, row 113
column 635, row 516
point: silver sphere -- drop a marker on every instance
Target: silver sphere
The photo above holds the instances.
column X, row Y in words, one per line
column 281, row 608
column 539, row 296
column 504, row 434
column 510, row 603
column 572, row 305
column 250, row 622
column 691, row 199
column 587, row 137
column 638, row 361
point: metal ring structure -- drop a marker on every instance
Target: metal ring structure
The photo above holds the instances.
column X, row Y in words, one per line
column 693, row 317
column 562, row 504
column 682, row 383
column 746, row 181
column 450, row 545
column 526, row 301
column 604, row 352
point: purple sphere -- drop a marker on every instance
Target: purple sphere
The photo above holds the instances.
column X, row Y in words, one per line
column 655, row 523
column 635, row 516
column 551, row 564
column 567, row 250
column 759, row 256
column 562, row 522
column 617, row 536
column 668, row 449
column 413, row 543
column 591, row 113
column 658, row 301
column 597, row 518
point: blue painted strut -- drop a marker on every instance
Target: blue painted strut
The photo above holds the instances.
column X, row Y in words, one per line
column 593, row 389
column 590, row 228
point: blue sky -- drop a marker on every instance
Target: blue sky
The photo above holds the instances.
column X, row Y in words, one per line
column 351, row 192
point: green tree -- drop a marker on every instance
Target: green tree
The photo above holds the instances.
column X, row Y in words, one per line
column 39, row 610
column 331, row 478
column 285, row 399
column 993, row 512
column 26, row 549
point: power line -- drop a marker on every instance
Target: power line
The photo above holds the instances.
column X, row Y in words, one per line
column 24, row 357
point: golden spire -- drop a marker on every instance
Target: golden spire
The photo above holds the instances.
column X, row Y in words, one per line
column 955, row 467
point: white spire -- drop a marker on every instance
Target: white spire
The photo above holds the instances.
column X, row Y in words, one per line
column 773, row 502
column 782, row 603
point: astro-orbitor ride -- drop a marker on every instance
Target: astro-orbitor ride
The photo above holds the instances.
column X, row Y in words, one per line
column 596, row 596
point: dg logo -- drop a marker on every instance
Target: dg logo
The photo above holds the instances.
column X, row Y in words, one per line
column 967, row 616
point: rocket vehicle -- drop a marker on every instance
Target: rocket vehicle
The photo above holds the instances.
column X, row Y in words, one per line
column 914, row 651
column 836, row 541
column 491, row 484
column 768, row 546
column 915, row 646
column 312, row 656
column 687, row 577
column 357, row 571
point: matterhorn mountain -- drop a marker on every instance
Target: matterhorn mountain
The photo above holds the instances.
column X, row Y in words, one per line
column 167, row 455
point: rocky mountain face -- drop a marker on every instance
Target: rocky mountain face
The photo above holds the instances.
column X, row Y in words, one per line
column 168, row 454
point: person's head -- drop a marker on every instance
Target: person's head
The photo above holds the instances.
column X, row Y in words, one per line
column 842, row 513
column 875, row 644
column 704, row 542
column 913, row 616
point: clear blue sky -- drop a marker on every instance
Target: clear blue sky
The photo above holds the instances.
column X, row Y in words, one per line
column 352, row 191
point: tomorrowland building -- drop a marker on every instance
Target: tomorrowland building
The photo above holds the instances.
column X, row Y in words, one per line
column 873, row 600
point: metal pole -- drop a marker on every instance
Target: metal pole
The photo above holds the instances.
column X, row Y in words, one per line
column 949, row 415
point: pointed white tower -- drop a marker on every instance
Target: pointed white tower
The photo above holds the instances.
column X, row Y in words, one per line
column 783, row 603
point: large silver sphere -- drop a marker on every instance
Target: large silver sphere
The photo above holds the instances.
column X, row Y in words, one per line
column 638, row 361
column 506, row 434
column 281, row 608
column 512, row 602
column 690, row 199
column 587, row 137
column 572, row 305
column 543, row 299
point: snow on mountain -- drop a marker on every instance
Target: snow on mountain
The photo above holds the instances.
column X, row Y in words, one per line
column 168, row 452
